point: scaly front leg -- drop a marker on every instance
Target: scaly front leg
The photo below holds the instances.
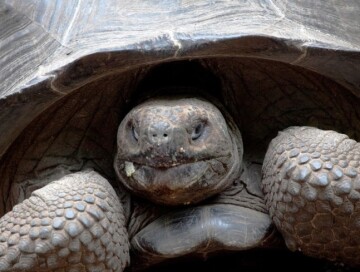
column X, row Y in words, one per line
column 311, row 183
column 74, row 223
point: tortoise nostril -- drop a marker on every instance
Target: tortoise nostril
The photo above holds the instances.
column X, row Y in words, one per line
column 160, row 132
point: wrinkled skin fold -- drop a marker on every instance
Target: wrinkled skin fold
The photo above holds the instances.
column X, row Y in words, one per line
column 201, row 230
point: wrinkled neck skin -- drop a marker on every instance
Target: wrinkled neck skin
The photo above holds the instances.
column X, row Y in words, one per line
column 177, row 151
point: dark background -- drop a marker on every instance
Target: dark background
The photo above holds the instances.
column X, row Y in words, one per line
column 253, row 260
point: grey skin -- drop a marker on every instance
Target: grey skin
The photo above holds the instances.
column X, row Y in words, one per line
column 177, row 151
column 311, row 184
column 185, row 156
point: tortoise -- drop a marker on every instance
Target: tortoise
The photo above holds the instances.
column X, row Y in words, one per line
column 218, row 81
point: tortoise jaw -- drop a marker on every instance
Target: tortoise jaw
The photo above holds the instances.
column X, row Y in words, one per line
column 176, row 177
column 180, row 184
column 166, row 185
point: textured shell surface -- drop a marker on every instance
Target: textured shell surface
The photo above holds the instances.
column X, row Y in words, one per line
column 52, row 48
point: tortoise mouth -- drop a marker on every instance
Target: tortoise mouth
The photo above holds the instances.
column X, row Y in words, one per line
column 181, row 184
column 178, row 176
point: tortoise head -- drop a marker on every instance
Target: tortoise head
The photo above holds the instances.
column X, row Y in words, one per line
column 177, row 150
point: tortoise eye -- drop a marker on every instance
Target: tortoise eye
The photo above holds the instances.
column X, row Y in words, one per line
column 134, row 133
column 197, row 131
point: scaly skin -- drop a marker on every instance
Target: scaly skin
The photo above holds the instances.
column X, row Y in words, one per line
column 311, row 183
column 74, row 223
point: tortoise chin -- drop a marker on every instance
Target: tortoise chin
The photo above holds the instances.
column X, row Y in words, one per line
column 181, row 184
